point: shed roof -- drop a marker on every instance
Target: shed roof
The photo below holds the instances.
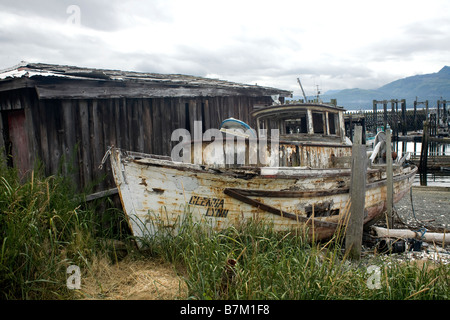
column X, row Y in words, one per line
column 71, row 82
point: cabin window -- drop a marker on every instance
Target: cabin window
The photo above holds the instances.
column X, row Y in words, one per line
column 318, row 122
column 298, row 125
column 332, row 123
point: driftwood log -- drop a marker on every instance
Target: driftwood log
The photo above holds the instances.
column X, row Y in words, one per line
column 409, row 234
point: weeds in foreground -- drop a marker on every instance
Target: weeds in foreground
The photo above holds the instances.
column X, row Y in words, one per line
column 252, row 261
column 44, row 228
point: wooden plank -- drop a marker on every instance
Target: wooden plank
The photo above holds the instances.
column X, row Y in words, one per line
column 192, row 116
column 290, row 194
column 102, row 194
column 389, row 179
column 122, row 124
column 97, row 143
column 207, row 116
column 175, row 122
column 439, row 140
column 353, row 238
column 157, row 126
column 69, row 124
column 117, row 122
column 109, row 124
column 238, row 196
column 19, row 141
column 132, row 124
column 17, row 83
column 55, row 132
column 85, row 147
column 82, row 89
column 2, row 135
column 29, row 100
column 147, row 125
column 166, row 129
column 44, row 146
column 36, row 120
column 141, row 125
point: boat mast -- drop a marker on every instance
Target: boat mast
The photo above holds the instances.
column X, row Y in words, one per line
column 304, row 95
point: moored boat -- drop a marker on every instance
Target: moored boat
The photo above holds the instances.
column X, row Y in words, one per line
column 293, row 170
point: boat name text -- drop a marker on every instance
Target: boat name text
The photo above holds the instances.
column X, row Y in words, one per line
column 215, row 206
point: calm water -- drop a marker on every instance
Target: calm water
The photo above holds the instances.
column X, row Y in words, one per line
column 435, row 178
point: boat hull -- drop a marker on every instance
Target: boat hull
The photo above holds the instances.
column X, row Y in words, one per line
column 157, row 194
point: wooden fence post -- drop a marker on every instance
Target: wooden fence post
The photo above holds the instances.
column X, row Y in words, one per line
column 353, row 237
column 389, row 179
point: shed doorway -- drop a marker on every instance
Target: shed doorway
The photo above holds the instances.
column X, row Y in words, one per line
column 16, row 140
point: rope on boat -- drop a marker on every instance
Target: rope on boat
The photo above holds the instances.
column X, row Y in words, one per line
column 105, row 157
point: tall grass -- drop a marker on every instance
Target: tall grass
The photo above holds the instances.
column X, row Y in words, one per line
column 281, row 265
column 43, row 230
column 45, row 226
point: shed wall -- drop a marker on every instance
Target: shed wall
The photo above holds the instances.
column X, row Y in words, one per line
column 72, row 135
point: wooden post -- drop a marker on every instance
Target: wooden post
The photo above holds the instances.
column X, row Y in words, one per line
column 424, row 151
column 353, row 237
column 394, row 116
column 437, row 114
column 385, row 117
column 444, row 107
column 415, row 116
column 375, row 120
column 389, row 179
column 404, row 124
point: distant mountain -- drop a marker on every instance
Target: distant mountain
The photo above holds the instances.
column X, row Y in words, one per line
column 431, row 87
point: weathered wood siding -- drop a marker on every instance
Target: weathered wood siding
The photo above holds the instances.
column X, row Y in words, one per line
column 73, row 135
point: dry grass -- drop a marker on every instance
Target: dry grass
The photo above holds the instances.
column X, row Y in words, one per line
column 132, row 280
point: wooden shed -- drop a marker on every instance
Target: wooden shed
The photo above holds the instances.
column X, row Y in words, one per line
column 67, row 116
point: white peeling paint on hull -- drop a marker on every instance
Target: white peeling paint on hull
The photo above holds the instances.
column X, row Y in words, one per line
column 156, row 193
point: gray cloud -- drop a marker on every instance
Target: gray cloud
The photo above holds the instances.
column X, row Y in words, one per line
column 258, row 47
column 100, row 15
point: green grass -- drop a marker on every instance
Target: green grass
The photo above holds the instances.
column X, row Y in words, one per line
column 280, row 265
column 45, row 226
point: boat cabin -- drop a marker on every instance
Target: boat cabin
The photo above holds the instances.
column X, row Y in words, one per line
column 292, row 135
column 303, row 122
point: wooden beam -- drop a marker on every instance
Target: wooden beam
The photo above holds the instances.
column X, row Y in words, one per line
column 89, row 89
column 353, row 238
column 389, row 179
column 101, row 194
column 236, row 194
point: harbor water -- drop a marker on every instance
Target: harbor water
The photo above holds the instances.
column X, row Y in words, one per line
column 434, row 178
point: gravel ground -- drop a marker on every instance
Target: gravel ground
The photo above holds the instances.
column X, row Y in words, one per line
column 432, row 211
column 431, row 207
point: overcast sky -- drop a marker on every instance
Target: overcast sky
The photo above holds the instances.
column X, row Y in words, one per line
column 333, row 44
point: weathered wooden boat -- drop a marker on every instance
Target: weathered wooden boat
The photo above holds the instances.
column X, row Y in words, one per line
column 295, row 173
